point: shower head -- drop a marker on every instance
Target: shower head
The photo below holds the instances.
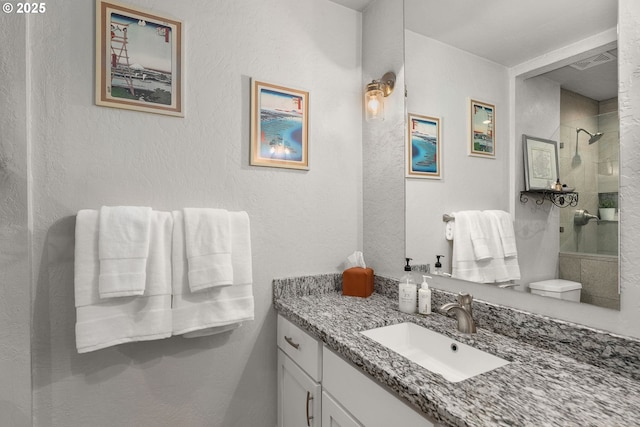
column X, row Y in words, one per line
column 593, row 137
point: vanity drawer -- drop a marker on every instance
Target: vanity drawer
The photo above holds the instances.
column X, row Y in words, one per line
column 303, row 349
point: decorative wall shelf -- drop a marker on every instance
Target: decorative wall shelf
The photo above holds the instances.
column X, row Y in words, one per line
column 561, row 199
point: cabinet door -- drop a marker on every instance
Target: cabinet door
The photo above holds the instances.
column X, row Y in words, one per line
column 299, row 399
column 334, row 415
column 370, row 403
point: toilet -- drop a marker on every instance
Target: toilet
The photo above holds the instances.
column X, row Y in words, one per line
column 557, row 288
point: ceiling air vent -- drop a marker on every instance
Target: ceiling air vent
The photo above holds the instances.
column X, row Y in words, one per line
column 598, row 59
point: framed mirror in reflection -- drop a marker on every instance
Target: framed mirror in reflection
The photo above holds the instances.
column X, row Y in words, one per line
column 555, row 83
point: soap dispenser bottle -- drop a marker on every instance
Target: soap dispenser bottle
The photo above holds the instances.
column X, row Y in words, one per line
column 438, row 266
column 424, row 297
column 407, row 291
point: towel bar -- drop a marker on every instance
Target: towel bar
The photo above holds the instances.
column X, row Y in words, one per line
column 448, row 217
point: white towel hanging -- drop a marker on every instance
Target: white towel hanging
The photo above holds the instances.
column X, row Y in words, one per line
column 102, row 323
column 123, row 248
column 218, row 306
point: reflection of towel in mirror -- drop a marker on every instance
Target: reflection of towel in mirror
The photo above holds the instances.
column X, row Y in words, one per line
column 475, row 224
column 505, row 267
column 471, row 256
column 502, row 220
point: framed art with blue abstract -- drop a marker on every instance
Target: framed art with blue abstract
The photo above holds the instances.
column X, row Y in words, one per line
column 279, row 126
column 424, row 147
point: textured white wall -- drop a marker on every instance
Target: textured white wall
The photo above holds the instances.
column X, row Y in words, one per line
column 15, row 363
column 440, row 81
column 536, row 226
column 86, row 156
column 383, row 142
column 629, row 108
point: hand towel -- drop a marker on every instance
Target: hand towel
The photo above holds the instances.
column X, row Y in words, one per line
column 505, row 229
column 218, row 309
column 497, row 270
column 102, row 323
column 503, row 269
column 506, row 266
column 208, row 248
column 473, row 224
column 123, row 247
column 471, row 255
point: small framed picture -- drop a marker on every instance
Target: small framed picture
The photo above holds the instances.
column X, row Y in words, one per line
column 423, row 147
column 279, row 126
column 482, row 129
column 138, row 60
column 541, row 168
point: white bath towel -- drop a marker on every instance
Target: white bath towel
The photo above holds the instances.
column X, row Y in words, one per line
column 472, row 253
column 102, row 323
column 505, row 228
column 123, row 247
column 473, row 224
column 208, row 248
column 503, row 268
column 215, row 330
column 217, row 309
column 497, row 269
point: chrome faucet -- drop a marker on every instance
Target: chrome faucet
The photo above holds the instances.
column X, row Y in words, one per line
column 582, row 217
column 464, row 313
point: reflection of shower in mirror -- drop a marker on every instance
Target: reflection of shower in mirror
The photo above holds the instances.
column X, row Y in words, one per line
column 594, row 137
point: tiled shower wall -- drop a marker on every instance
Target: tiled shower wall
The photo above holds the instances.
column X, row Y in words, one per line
column 592, row 169
column 598, row 275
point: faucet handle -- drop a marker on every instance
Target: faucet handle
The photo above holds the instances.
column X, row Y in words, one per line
column 465, row 298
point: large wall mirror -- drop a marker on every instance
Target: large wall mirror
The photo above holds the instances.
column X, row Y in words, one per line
column 548, row 69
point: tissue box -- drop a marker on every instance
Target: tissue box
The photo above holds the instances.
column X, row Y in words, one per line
column 357, row 282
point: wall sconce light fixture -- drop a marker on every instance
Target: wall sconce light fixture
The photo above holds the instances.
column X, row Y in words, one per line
column 377, row 90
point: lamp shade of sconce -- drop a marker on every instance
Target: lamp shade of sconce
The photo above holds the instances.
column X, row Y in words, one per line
column 374, row 96
column 374, row 102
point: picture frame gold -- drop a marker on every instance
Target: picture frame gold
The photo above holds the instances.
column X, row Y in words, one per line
column 139, row 64
column 279, row 126
column 424, row 150
column 482, row 135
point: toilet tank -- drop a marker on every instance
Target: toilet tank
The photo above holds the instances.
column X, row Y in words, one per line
column 557, row 288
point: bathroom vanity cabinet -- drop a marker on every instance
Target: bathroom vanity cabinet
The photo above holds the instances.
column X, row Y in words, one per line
column 334, row 415
column 299, row 376
column 316, row 387
column 361, row 376
column 364, row 398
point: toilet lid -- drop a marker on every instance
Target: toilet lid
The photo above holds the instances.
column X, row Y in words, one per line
column 556, row 285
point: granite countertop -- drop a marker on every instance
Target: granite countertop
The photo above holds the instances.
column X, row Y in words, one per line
column 538, row 388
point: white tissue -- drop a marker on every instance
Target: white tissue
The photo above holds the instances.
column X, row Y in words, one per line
column 356, row 259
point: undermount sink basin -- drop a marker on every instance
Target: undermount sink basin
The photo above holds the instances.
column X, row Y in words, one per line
column 436, row 352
